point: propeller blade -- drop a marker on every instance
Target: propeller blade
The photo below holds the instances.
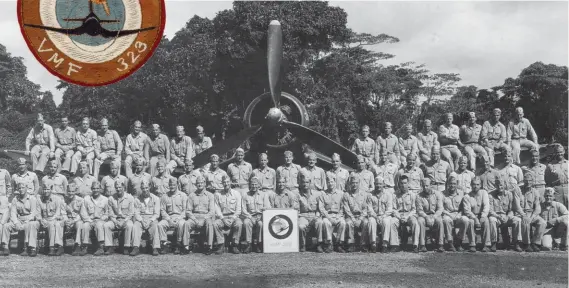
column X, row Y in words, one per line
column 226, row 145
column 15, row 154
column 324, row 144
column 274, row 59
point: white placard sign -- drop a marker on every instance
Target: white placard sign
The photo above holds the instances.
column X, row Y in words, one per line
column 280, row 230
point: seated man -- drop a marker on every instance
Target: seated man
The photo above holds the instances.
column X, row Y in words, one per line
column 470, row 136
column 282, row 198
column 214, row 175
column 452, row 217
column 23, row 213
column 64, row 145
column 135, row 180
column 239, row 172
column 488, row 176
column 555, row 214
column 387, row 171
column 28, row 178
column 121, row 210
column 556, row 175
column 109, row 181
column 201, row 142
column 187, row 181
column 56, row 181
column 267, row 176
column 160, row 183
column 200, row 211
column 450, row 141
column 389, row 143
column 71, row 216
column 83, row 180
column 146, row 213
column 134, row 147
column 228, row 203
column 109, row 146
column 254, row 203
column 308, row 217
column 42, row 140
column 527, row 206
column 518, row 130
column 365, row 177
column 511, row 170
column 501, row 214
column 333, row 223
column 355, row 213
column 173, row 212
column 464, row 176
column 340, row 174
column 50, row 211
column 475, row 209
column 289, row 172
column 427, row 139
column 94, row 214
column 316, row 174
column 85, row 140
column 429, row 205
column 493, row 136
column 380, row 203
column 4, row 218
column 156, row 148
column 438, row 170
column 538, row 170
column 405, row 213
column 181, row 148
column 414, row 175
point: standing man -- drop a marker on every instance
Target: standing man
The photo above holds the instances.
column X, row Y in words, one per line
column 518, row 131
column 5, row 183
column 427, row 139
column 437, row 170
column 413, row 173
column 267, row 176
column 136, row 179
column 23, row 213
column 450, row 141
column 408, row 144
column 332, row 212
column 253, row 205
column 146, row 213
column 156, row 148
column 49, row 208
column 470, row 137
column 71, row 214
column 239, row 172
column 289, row 171
column 339, row 174
column 83, row 180
column 228, row 203
column 214, row 175
column 555, row 214
column 556, row 175
column 452, row 216
column 173, row 212
column 159, row 184
column 201, row 142
column 380, row 203
column 355, row 206
column 64, row 145
column 364, row 145
column 4, row 218
column 109, row 181
column 85, row 140
column 365, row 176
column 109, row 146
column 309, row 218
column 463, row 176
column 134, row 146
column 181, row 148
column 200, row 211
column 387, row 172
column 538, row 171
column 27, row 178
column 475, row 209
column 527, row 206
column 42, row 142
column 388, row 143
column 501, row 214
column 94, row 213
column 404, row 212
column 54, row 180
column 121, row 211
column 488, row 176
column 494, row 136
column 316, row 174
column 187, row 181
column 511, row 170
column 429, row 205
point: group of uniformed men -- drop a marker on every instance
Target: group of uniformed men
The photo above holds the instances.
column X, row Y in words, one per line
column 391, row 196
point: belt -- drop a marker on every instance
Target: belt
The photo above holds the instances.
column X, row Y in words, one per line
column 267, row 189
column 539, row 185
column 200, row 213
column 228, row 214
column 330, row 212
column 516, row 138
column 357, row 213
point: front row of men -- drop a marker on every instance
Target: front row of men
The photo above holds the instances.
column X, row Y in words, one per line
column 338, row 220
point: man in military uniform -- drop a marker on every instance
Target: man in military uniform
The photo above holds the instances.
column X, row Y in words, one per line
column 267, row 176
column 5, row 183
column 201, row 142
column 555, row 215
column 475, row 208
column 84, row 180
column 511, row 170
column 94, row 213
column 23, row 213
column 136, row 179
column 494, row 135
column 49, row 208
column 339, row 174
column 109, row 146
column 429, row 205
column 556, row 175
column 85, row 142
column 405, row 212
column 518, row 130
column 463, row 176
column 42, row 142
column 173, row 211
column 71, row 216
column 451, row 214
column 450, row 141
column 146, row 213
column 187, row 181
column 332, row 212
column 56, row 181
column 228, row 204
column 316, row 174
column 121, row 210
column 413, row 173
column 364, row 145
column 365, row 176
column 538, row 171
column 488, row 176
column 309, row 218
column 437, row 170
column 388, row 143
column 289, row 171
column 28, row 178
column 254, row 203
column 471, row 138
column 159, row 183
column 427, row 139
column 156, row 149
column 214, row 175
column 387, row 172
column 200, row 211
column 380, row 203
column 108, row 181
column 527, row 206
column 239, row 172
column 181, row 148
column 4, row 218
column 64, row 145
column 354, row 203
column 134, row 146
column 408, row 144
column 501, row 214
column 282, row 198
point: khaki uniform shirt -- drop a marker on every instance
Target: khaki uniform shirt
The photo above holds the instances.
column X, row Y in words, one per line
column 121, row 208
column 24, row 210
column 239, row 174
column 134, row 145
column 267, row 178
column 173, row 205
column 330, row 203
column 200, row 205
column 187, row 182
column 284, row 200
column 108, row 184
column 65, row 138
column 95, row 209
column 200, row 146
column 341, row 175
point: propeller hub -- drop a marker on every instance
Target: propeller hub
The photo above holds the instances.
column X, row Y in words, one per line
column 275, row 116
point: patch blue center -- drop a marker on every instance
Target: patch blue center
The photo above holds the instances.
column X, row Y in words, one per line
column 70, row 9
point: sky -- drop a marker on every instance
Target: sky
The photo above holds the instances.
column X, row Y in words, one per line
column 485, row 42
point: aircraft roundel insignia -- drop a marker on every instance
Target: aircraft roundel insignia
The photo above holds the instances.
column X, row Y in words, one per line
column 92, row 42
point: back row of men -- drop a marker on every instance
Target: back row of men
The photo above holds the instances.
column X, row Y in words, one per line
column 336, row 219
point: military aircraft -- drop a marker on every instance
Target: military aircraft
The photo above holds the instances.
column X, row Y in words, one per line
column 91, row 25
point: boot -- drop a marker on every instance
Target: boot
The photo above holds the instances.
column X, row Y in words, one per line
column 493, row 247
column 302, row 248
column 24, row 251
column 395, row 249
column 423, row 249
column 328, row 248
column 472, row 249
column 459, row 248
column 373, row 247
column 110, row 250
column 339, row 248
column 6, row 250
column 384, row 248
column 260, row 247
column 208, row 250
column 246, row 248
column 451, row 247
column 255, row 247
column 415, row 249
column 563, row 247
column 99, row 251
column 319, row 248
column 33, row 252
column 60, row 251
column 440, row 249
column 234, row 249
column 529, row 248
column 364, row 248
column 51, row 251
column 535, row 247
column 219, row 249
column 177, row 250
column 155, row 252
column 76, row 250
column 518, row 248
column 135, row 251
column 351, row 248
column 485, row 249
column 125, row 250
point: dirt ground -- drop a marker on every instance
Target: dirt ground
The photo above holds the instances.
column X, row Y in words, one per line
column 502, row 269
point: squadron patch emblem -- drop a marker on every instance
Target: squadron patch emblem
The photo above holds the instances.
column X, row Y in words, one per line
column 92, row 42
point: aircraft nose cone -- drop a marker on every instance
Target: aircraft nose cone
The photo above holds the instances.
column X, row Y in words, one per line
column 274, row 116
